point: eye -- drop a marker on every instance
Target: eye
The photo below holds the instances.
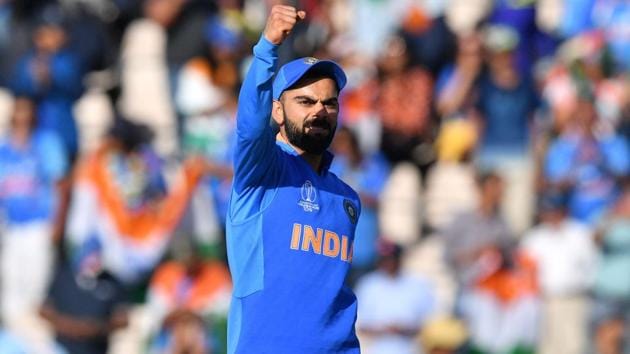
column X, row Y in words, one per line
column 332, row 103
column 306, row 101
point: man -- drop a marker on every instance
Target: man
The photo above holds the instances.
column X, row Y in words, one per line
column 32, row 163
column 565, row 254
column 85, row 303
column 472, row 236
column 392, row 325
column 291, row 223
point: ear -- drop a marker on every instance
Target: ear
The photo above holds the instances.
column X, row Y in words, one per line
column 277, row 113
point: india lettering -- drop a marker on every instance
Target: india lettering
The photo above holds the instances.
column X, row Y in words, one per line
column 320, row 241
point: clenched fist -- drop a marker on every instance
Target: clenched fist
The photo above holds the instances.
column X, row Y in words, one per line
column 280, row 22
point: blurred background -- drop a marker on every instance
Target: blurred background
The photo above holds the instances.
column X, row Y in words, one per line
column 488, row 141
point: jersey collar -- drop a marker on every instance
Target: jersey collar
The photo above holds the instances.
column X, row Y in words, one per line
column 326, row 159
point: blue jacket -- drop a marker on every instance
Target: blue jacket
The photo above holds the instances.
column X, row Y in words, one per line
column 57, row 98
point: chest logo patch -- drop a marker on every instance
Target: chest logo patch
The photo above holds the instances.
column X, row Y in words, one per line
column 351, row 210
column 308, row 197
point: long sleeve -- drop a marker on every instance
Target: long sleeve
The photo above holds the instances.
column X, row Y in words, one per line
column 255, row 140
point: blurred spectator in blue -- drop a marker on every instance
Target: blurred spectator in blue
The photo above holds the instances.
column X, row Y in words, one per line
column 470, row 235
column 32, row 162
column 502, row 309
column 506, row 100
column 565, row 255
column 533, row 43
column 53, row 75
column 367, row 175
column 188, row 299
column 611, row 308
column 431, row 42
column 85, row 304
column 392, row 326
column 17, row 22
column 588, row 163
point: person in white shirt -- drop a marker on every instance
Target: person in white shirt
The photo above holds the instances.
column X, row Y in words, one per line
column 393, row 305
column 565, row 254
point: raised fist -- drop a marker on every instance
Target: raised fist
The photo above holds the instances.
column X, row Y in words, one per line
column 280, row 22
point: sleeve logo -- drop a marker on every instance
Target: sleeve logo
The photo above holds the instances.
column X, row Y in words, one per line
column 351, row 210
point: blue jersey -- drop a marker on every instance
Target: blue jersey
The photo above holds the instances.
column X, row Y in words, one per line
column 290, row 232
column 28, row 176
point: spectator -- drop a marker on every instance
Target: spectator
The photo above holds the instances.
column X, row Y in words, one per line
column 506, row 102
column 32, row 163
column 366, row 175
column 611, row 309
column 565, row 254
column 392, row 325
column 587, row 164
column 53, row 75
column 120, row 200
column 405, row 122
column 502, row 309
column 190, row 294
column 471, row 235
column 85, row 304
column 450, row 186
column 455, row 87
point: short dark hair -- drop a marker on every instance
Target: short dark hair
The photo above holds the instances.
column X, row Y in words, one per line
column 488, row 175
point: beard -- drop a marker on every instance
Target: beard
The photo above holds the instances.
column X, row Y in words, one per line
column 314, row 144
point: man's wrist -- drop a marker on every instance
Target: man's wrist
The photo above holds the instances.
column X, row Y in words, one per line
column 264, row 47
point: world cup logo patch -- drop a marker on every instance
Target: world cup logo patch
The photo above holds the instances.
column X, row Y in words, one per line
column 308, row 197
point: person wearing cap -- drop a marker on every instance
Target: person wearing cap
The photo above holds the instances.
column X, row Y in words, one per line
column 291, row 222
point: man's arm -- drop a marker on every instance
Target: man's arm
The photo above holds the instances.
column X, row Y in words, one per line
column 255, row 139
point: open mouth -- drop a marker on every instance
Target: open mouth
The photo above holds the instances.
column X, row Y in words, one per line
column 318, row 127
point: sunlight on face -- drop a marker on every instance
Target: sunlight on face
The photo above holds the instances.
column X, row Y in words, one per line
column 310, row 114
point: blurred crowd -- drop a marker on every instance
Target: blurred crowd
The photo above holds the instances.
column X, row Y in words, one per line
column 488, row 141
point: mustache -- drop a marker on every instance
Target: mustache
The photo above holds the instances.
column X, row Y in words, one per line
column 318, row 123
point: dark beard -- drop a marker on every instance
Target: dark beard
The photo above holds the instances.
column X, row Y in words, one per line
column 312, row 144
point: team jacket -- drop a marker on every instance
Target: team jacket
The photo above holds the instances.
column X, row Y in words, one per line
column 290, row 232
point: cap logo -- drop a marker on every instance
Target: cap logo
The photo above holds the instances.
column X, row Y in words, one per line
column 310, row 60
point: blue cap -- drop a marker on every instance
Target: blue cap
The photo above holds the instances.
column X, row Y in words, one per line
column 292, row 71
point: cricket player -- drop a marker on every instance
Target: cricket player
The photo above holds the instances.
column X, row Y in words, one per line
column 291, row 222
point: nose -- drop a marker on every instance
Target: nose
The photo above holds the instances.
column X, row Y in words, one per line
column 320, row 108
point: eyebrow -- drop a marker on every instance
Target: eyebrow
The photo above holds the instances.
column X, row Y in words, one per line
column 306, row 97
